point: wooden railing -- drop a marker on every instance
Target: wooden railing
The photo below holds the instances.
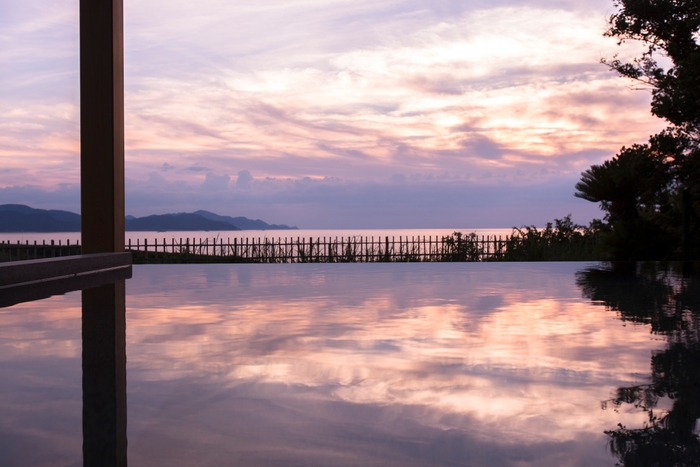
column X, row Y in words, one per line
column 365, row 249
column 320, row 250
column 23, row 251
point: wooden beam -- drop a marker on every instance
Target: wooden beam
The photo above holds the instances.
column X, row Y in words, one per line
column 102, row 125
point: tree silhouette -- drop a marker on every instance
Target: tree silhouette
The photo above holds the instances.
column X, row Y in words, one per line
column 669, row 301
column 635, row 189
column 666, row 28
column 649, row 190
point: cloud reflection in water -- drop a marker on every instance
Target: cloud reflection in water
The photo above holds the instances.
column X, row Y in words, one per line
column 374, row 365
column 353, row 364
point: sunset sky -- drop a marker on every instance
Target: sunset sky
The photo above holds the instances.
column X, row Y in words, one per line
column 329, row 113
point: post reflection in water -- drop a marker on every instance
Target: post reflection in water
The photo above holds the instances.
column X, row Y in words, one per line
column 104, row 375
column 668, row 301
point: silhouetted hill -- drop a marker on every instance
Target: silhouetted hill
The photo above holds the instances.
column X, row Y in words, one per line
column 175, row 222
column 244, row 223
column 21, row 218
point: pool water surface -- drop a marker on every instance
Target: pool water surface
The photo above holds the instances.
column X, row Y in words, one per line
column 442, row 364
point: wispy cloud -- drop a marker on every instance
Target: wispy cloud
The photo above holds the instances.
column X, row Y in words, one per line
column 506, row 93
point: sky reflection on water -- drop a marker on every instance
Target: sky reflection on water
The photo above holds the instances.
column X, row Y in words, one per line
column 338, row 364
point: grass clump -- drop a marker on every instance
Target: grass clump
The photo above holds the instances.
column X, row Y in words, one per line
column 562, row 240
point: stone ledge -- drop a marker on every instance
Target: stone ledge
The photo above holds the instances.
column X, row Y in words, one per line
column 18, row 273
column 13, row 295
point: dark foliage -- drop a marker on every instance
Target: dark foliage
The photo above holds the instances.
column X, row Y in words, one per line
column 561, row 241
column 669, row 301
column 667, row 28
column 643, row 187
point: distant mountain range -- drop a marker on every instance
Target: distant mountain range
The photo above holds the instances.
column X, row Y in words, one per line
column 21, row 218
column 243, row 223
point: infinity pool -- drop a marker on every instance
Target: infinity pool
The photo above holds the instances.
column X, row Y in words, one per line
column 446, row 364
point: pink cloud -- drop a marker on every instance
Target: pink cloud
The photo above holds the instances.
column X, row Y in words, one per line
column 494, row 89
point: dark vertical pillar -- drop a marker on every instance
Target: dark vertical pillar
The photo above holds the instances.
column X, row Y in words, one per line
column 686, row 224
column 102, row 125
column 104, row 376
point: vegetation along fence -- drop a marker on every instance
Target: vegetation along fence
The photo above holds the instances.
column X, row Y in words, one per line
column 523, row 245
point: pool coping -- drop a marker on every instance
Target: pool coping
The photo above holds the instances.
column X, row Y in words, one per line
column 24, row 281
column 20, row 273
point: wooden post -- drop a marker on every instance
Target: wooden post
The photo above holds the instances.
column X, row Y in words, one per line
column 102, row 125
